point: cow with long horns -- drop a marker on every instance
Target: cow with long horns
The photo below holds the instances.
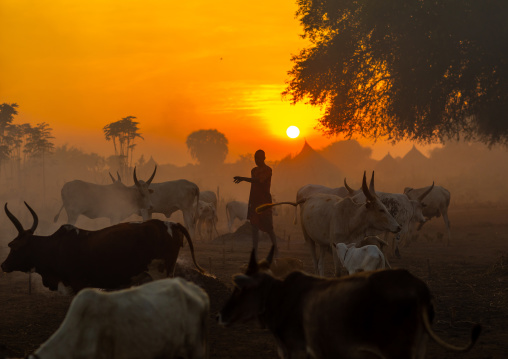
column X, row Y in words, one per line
column 108, row 258
column 380, row 314
column 406, row 211
column 115, row 201
column 327, row 219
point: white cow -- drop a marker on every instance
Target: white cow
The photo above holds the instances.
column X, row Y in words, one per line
column 328, row 219
column 171, row 196
column 236, row 210
column 207, row 215
column 435, row 204
column 366, row 258
column 405, row 211
column 162, row 319
column 312, row 189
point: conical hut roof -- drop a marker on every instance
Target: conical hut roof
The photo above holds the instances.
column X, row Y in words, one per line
column 414, row 156
column 308, row 166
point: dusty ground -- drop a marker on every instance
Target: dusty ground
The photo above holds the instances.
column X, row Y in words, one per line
column 469, row 281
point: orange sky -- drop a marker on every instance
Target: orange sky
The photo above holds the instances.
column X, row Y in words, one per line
column 177, row 66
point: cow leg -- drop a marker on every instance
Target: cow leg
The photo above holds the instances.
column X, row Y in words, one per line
column 312, row 249
column 321, row 261
column 337, row 265
column 230, row 222
column 72, row 218
column 447, row 223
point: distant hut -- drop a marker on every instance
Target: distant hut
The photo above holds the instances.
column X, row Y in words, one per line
column 416, row 168
column 306, row 167
column 387, row 164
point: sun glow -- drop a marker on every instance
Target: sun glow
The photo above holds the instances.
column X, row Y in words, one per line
column 293, row 132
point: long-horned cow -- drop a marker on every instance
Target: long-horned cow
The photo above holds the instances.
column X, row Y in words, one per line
column 115, row 201
column 435, row 204
column 166, row 318
column 327, row 219
column 406, row 211
column 108, row 258
column 312, row 189
column 380, row 314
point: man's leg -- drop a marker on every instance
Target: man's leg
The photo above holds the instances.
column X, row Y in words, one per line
column 255, row 239
column 273, row 238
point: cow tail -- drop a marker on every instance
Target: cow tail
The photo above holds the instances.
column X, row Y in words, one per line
column 475, row 333
column 184, row 231
column 58, row 214
column 266, row 206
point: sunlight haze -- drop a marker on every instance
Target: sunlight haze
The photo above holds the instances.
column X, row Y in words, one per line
column 177, row 67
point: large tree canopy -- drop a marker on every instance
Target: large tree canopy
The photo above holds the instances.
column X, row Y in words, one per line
column 406, row 69
column 209, row 147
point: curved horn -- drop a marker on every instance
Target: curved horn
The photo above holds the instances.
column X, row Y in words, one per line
column 112, row 178
column 152, row 176
column 349, row 189
column 365, row 190
column 424, row 194
column 34, row 215
column 118, row 175
column 371, row 186
column 13, row 219
column 252, row 268
column 136, row 182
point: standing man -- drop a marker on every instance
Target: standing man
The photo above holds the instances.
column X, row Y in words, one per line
column 261, row 179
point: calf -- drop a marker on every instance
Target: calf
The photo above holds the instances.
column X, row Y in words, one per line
column 381, row 314
column 207, row 215
column 162, row 319
column 366, row 258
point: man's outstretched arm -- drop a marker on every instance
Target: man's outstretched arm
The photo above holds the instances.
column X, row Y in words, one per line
column 238, row 179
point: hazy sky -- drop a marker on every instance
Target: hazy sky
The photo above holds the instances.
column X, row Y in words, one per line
column 177, row 66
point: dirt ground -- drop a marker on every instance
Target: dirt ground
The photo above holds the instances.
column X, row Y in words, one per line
column 468, row 278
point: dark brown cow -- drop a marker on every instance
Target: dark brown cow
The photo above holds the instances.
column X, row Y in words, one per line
column 381, row 314
column 107, row 258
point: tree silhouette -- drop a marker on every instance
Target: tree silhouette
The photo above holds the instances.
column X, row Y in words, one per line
column 209, row 147
column 38, row 146
column 7, row 112
column 420, row 70
column 123, row 133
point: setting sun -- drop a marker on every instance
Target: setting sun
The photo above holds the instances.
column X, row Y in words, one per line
column 292, row 131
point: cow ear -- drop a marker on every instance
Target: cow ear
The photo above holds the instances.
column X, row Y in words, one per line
column 242, row 281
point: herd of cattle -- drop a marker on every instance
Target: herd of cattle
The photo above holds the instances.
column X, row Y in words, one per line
column 371, row 313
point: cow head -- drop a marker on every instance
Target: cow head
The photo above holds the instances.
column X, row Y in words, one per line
column 418, row 205
column 377, row 216
column 119, row 179
column 249, row 296
column 144, row 201
column 206, row 211
column 20, row 257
